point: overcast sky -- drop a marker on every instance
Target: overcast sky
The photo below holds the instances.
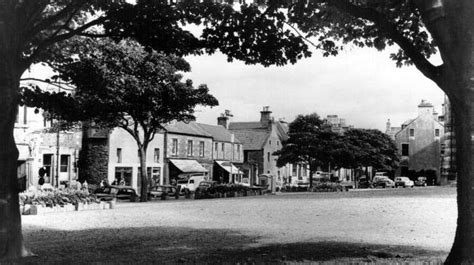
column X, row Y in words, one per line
column 361, row 85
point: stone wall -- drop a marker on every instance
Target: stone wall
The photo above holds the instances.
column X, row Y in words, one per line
column 93, row 160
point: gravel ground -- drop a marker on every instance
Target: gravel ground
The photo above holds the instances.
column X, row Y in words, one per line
column 381, row 226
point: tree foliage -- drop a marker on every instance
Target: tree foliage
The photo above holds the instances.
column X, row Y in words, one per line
column 313, row 143
column 368, row 148
column 124, row 85
column 309, row 143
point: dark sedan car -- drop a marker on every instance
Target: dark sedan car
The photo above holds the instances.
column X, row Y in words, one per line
column 205, row 189
column 162, row 191
column 116, row 192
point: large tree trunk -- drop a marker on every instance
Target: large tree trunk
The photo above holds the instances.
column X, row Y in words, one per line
column 462, row 251
column 451, row 24
column 462, row 97
column 144, row 180
column 11, row 239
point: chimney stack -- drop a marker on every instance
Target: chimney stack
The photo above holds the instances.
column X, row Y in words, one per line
column 224, row 118
column 265, row 118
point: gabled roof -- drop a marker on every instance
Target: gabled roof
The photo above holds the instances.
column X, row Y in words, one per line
column 218, row 132
column 252, row 139
column 246, row 125
column 254, row 135
column 191, row 128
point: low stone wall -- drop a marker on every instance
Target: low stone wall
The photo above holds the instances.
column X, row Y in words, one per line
column 29, row 209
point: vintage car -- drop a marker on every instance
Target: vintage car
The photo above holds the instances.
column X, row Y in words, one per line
column 421, row 181
column 116, row 192
column 163, row 191
column 403, row 182
column 383, row 181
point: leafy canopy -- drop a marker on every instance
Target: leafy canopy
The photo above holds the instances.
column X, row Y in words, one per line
column 117, row 82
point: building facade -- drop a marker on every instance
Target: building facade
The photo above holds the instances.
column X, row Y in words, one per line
column 419, row 143
column 260, row 140
column 187, row 151
column 124, row 162
column 43, row 151
column 227, row 151
column 448, row 147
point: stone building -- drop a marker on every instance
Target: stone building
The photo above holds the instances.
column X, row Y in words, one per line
column 419, row 144
column 227, row 150
column 124, row 162
column 41, row 146
column 448, row 146
column 187, row 151
column 260, row 140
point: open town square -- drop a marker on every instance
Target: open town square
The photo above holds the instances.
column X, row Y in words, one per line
column 391, row 226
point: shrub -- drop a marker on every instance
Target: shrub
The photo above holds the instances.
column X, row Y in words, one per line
column 55, row 197
column 327, row 186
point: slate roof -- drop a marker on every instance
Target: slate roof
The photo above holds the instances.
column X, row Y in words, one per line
column 254, row 135
column 246, row 125
column 218, row 132
column 252, row 139
column 191, row 128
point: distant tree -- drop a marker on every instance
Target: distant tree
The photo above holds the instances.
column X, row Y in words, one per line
column 367, row 148
column 123, row 85
column 309, row 143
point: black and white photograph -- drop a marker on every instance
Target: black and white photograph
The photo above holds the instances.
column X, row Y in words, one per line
column 237, row 132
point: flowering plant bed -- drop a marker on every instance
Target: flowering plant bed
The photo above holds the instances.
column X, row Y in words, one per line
column 327, row 187
column 40, row 202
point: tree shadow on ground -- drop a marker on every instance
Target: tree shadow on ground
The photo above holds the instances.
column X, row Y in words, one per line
column 172, row 245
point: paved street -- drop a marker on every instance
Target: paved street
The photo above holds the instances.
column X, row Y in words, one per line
column 362, row 225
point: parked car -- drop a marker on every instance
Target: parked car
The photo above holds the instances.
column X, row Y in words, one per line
column 404, row 182
column 383, row 181
column 116, row 192
column 364, row 183
column 205, row 189
column 161, row 191
column 421, row 181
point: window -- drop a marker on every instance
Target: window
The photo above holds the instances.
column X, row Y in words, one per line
column 238, row 152
column 156, row 155
column 190, row 147
column 223, row 153
column 47, row 163
column 405, row 150
column 268, row 157
column 174, row 148
column 436, row 132
column 119, row 155
column 124, row 175
column 201, row 148
column 153, row 173
column 294, row 170
column 270, row 142
column 64, row 163
column 412, row 132
column 25, row 117
column 304, row 171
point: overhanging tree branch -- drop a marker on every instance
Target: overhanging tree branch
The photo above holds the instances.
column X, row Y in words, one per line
column 61, row 37
column 390, row 30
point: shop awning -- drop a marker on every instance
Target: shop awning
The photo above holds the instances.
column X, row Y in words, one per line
column 188, row 166
column 229, row 167
column 24, row 152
